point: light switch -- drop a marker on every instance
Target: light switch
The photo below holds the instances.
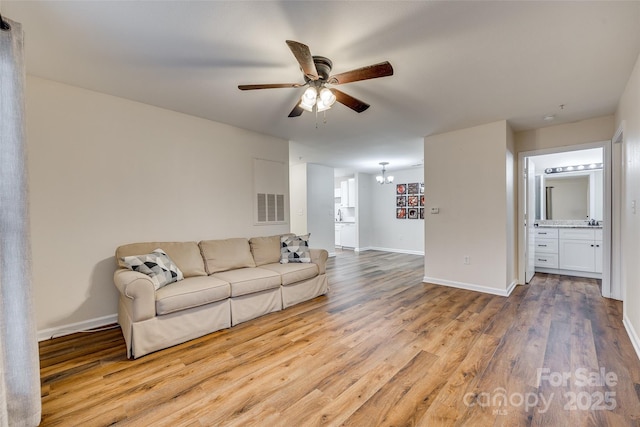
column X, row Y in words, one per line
column 435, row 211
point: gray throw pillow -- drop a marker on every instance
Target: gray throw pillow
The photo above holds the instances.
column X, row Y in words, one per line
column 157, row 265
column 294, row 249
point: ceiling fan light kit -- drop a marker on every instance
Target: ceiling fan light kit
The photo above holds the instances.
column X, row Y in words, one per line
column 316, row 71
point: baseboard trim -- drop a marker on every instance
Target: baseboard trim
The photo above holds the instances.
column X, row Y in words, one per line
column 633, row 336
column 399, row 251
column 471, row 286
column 72, row 328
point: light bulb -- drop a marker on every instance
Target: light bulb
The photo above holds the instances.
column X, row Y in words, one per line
column 328, row 98
column 310, row 95
column 321, row 105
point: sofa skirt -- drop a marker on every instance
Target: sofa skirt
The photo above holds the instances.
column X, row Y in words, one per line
column 171, row 329
column 247, row 307
column 305, row 290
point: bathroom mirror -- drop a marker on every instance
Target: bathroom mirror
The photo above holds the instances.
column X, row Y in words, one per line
column 572, row 196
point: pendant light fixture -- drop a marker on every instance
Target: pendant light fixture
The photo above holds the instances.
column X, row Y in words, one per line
column 383, row 179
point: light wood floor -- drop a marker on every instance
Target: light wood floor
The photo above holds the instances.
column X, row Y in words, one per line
column 381, row 349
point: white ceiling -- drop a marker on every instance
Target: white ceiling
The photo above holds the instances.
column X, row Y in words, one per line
column 457, row 64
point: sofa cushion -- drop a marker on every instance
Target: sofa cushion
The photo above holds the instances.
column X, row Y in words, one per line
column 186, row 255
column 227, row 254
column 189, row 293
column 265, row 250
column 294, row 249
column 157, row 265
column 293, row 272
column 249, row 280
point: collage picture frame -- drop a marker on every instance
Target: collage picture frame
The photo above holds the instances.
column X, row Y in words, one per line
column 410, row 200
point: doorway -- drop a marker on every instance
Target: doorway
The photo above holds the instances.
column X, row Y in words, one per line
column 566, row 169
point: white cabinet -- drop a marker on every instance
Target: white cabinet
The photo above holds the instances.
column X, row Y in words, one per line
column 344, row 194
column 569, row 251
column 348, row 193
column 578, row 255
column 546, row 248
column 580, row 250
column 338, row 234
column 348, row 235
column 351, row 197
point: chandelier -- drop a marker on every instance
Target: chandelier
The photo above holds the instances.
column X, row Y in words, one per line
column 383, row 179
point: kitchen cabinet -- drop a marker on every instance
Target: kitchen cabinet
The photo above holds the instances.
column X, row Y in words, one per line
column 338, row 234
column 344, row 194
column 351, row 197
column 348, row 193
column 348, row 235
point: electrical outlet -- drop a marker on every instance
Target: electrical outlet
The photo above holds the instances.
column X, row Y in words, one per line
column 467, row 260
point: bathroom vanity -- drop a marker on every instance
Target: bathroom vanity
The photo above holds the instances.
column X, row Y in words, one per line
column 573, row 250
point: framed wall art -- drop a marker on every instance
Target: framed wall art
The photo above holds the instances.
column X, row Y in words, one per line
column 410, row 200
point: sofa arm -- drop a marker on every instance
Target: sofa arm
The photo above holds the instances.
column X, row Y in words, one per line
column 138, row 288
column 319, row 257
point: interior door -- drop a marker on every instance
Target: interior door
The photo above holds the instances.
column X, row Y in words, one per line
column 530, row 219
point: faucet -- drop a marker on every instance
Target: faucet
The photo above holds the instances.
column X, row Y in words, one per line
column 339, row 215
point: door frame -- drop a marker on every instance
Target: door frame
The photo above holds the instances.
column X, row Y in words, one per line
column 607, row 205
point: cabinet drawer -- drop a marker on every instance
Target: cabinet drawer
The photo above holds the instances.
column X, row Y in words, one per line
column 547, row 246
column 546, row 260
column 578, row 233
column 546, row 233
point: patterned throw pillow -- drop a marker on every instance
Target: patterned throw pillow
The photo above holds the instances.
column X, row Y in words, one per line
column 157, row 265
column 294, row 249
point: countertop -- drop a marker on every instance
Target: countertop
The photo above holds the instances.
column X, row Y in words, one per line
column 346, row 222
column 568, row 226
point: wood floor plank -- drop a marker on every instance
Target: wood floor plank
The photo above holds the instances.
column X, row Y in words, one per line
column 381, row 348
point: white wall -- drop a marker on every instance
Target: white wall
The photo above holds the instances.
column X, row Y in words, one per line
column 592, row 130
column 320, row 207
column 389, row 233
column 364, row 210
column 466, row 178
column 105, row 171
column 628, row 116
column 298, row 198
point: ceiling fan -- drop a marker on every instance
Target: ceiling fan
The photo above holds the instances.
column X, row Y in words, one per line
column 316, row 71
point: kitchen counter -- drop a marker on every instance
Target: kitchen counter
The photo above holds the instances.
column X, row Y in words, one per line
column 568, row 226
column 346, row 222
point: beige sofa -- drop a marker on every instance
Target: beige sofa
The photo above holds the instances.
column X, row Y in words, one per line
column 226, row 282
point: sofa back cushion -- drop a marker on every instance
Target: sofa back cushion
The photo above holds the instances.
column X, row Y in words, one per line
column 265, row 250
column 186, row 255
column 227, row 254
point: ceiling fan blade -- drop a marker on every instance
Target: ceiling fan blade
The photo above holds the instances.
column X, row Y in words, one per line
column 351, row 102
column 297, row 111
column 303, row 55
column 382, row 69
column 269, row 86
